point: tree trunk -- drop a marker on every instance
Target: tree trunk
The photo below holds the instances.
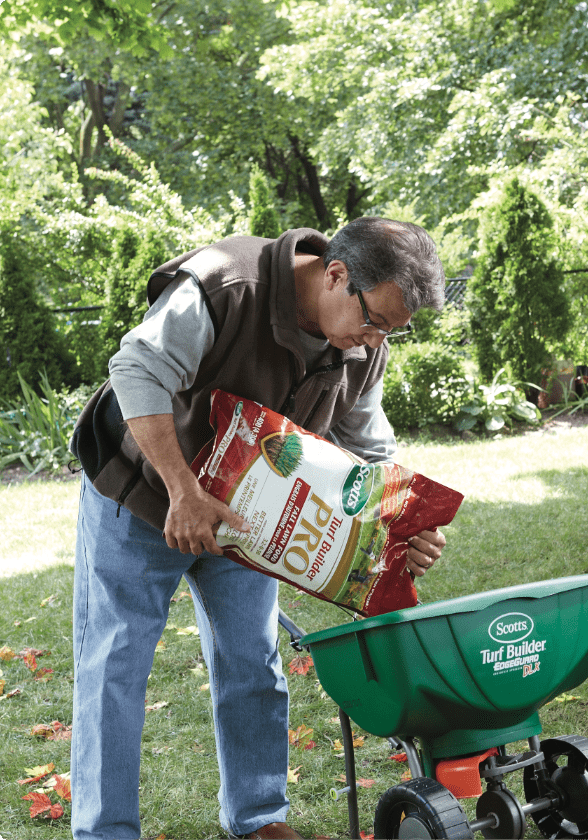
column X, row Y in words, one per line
column 120, row 104
column 312, row 183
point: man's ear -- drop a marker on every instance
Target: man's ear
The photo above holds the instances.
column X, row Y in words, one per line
column 336, row 275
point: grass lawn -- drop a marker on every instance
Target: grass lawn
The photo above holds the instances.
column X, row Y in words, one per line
column 523, row 519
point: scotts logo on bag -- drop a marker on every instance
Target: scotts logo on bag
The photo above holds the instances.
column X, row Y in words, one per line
column 356, row 489
column 511, row 627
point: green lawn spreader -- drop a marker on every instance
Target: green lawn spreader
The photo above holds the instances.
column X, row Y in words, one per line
column 452, row 683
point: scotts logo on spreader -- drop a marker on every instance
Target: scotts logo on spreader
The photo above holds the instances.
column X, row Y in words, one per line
column 356, row 489
column 511, row 627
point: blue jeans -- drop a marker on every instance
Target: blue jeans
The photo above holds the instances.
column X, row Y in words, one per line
column 125, row 576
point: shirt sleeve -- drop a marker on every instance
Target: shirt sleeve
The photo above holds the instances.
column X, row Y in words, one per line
column 161, row 356
column 365, row 431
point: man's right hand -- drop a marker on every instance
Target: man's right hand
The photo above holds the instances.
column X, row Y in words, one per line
column 193, row 519
column 193, row 515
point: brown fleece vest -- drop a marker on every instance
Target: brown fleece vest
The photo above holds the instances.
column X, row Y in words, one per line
column 248, row 287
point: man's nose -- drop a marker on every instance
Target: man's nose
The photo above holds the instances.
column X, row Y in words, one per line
column 373, row 339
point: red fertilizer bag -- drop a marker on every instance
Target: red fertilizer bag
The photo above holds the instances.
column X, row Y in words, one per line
column 321, row 519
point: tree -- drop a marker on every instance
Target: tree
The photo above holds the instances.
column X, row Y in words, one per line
column 263, row 218
column 516, row 298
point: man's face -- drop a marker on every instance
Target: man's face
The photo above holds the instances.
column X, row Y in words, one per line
column 341, row 318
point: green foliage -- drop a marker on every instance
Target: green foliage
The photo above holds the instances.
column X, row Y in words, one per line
column 127, row 23
column 263, row 217
column 423, row 384
column 516, row 300
column 134, row 258
column 496, row 405
column 36, row 430
column 448, row 328
column 29, row 340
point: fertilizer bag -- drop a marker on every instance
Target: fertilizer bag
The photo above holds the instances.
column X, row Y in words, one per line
column 321, row 519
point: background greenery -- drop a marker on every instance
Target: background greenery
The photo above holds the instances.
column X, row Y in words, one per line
column 520, row 521
column 132, row 131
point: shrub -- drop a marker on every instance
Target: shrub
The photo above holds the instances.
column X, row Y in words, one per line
column 515, row 296
column 134, row 258
column 29, row 339
column 424, row 383
column 263, row 217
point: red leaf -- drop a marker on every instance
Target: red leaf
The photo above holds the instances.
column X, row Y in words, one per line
column 33, row 651
column 42, row 673
column 301, row 664
column 398, row 757
column 41, row 803
column 310, row 745
column 54, row 731
column 42, row 730
column 365, row 836
column 56, row 811
column 30, row 661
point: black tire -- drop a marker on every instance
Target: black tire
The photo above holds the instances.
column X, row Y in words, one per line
column 421, row 808
column 567, row 764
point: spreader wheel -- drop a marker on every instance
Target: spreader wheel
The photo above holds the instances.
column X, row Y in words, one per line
column 567, row 765
column 420, row 809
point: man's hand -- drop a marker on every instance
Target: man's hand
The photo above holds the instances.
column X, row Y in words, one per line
column 193, row 514
column 424, row 549
column 192, row 519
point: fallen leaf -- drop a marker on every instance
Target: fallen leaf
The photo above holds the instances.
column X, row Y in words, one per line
column 205, row 687
column 54, row 731
column 12, row 693
column 60, row 732
column 365, row 836
column 366, row 783
column 30, row 661
column 34, row 651
column 42, row 730
column 51, row 601
column 160, row 705
column 62, row 787
column 301, row 664
column 310, row 745
column 36, row 773
column 406, row 776
column 398, row 757
column 7, row 653
column 357, row 742
column 41, row 803
column 191, row 630
column 2, row 684
column 183, row 594
column 299, row 737
column 56, row 811
column 293, row 775
column 161, row 645
column 44, row 675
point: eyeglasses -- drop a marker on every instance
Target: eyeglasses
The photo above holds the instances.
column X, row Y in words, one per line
column 398, row 331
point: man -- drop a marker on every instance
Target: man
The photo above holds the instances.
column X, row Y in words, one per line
column 298, row 324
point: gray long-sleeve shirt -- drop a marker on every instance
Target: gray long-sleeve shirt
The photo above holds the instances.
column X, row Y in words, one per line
column 161, row 357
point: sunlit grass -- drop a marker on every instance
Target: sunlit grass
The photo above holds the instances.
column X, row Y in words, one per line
column 523, row 519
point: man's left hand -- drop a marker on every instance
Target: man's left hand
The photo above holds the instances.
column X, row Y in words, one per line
column 423, row 550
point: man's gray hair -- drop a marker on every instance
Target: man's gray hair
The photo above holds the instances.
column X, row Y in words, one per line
column 377, row 250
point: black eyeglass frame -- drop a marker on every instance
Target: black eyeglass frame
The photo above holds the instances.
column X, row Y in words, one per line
column 397, row 332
